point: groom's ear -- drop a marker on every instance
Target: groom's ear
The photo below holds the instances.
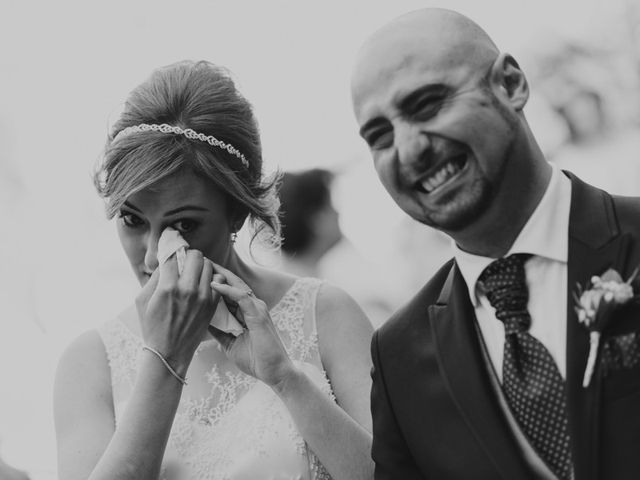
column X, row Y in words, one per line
column 509, row 82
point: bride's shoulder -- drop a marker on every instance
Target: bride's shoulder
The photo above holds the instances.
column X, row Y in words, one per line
column 89, row 347
column 344, row 337
column 334, row 302
column 338, row 313
column 83, row 371
column 85, row 359
column 87, row 350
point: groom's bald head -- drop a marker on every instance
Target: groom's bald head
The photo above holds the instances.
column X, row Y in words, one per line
column 439, row 37
column 446, row 26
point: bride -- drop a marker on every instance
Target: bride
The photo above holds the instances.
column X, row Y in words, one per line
column 222, row 369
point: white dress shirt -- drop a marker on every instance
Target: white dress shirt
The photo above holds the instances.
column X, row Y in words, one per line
column 545, row 236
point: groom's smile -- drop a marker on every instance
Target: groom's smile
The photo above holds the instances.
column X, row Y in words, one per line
column 442, row 174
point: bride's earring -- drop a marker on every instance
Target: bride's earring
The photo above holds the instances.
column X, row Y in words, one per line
column 234, row 237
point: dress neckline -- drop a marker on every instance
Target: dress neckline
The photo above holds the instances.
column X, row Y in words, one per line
column 289, row 292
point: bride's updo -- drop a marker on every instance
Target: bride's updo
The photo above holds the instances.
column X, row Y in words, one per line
column 201, row 99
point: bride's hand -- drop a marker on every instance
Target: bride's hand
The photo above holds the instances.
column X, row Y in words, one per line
column 258, row 351
column 174, row 310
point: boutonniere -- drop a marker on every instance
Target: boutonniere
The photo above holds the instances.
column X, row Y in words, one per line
column 595, row 306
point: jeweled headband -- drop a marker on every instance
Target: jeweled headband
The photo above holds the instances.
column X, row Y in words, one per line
column 187, row 132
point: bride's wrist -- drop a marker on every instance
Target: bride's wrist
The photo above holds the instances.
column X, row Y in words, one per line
column 165, row 365
column 290, row 381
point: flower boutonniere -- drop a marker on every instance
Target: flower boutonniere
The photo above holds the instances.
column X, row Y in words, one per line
column 595, row 306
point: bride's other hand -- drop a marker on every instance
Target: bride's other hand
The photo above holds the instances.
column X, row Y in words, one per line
column 258, row 351
column 174, row 310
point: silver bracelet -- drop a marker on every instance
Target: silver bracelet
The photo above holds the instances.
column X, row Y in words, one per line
column 182, row 380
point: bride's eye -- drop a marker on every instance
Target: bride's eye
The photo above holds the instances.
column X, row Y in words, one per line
column 185, row 225
column 130, row 220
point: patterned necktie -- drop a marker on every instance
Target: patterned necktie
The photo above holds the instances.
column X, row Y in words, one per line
column 531, row 382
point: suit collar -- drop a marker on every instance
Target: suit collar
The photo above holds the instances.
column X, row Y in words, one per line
column 460, row 359
column 595, row 244
column 592, row 220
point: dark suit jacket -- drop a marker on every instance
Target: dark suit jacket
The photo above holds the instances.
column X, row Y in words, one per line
column 435, row 414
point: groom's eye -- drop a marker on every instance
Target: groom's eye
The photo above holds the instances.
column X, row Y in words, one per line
column 380, row 138
column 426, row 107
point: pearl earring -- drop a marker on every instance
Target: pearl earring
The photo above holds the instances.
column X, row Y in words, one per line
column 234, row 237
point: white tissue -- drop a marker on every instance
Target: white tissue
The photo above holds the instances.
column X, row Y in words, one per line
column 171, row 242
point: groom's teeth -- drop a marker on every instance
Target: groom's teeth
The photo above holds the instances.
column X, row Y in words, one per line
column 440, row 177
column 427, row 186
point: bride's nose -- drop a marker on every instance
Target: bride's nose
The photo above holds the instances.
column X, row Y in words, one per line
column 151, row 253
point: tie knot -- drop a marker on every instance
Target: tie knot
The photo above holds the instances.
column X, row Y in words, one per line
column 504, row 284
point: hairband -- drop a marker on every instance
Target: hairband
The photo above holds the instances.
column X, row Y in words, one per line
column 187, row 132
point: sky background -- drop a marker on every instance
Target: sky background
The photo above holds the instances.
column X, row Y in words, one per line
column 66, row 69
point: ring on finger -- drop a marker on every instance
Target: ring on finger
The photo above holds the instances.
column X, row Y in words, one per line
column 249, row 292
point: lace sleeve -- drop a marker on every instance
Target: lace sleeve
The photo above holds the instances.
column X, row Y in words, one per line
column 318, row 472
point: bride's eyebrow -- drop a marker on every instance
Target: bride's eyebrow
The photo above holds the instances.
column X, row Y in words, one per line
column 132, row 207
column 186, row 207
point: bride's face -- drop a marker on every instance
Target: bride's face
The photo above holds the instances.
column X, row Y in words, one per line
column 184, row 201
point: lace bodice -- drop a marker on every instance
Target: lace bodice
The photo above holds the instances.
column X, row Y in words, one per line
column 230, row 426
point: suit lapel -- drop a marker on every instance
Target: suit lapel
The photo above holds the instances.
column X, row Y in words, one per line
column 461, row 362
column 595, row 244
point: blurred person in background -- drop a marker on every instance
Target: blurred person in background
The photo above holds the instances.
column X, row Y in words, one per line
column 313, row 243
column 158, row 391
column 310, row 223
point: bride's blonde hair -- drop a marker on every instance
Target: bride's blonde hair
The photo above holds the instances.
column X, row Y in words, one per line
column 202, row 97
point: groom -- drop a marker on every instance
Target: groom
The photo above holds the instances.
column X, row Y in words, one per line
column 480, row 375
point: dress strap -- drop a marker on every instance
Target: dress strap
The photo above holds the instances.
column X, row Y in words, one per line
column 295, row 318
column 312, row 287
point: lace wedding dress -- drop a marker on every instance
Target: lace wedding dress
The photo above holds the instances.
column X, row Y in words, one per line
column 230, row 426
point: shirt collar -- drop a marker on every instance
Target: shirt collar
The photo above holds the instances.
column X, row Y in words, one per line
column 546, row 233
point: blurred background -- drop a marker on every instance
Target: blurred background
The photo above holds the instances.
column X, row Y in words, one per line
column 67, row 66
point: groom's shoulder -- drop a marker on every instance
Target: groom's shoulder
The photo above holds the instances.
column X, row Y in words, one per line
column 628, row 213
column 415, row 310
column 627, row 210
column 621, row 211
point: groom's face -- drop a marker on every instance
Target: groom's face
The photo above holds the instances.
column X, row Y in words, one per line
column 439, row 137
